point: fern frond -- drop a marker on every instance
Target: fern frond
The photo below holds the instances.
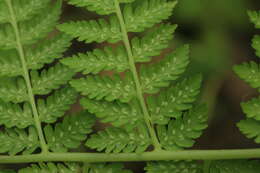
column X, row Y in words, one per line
column 46, row 51
column 181, row 132
column 255, row 18
column 252, row 108
column 118, row 140
column 174, row 167
column 23, row 9
column 250, row 128
column 49, row 79
column 152, row 43
column 14, row 115
column 13, row 90
column 235, row 166
column 52, row 168
column 105, row 87
column 159, row 75
column 15, row 141
column 144, row 14
column 93, row 31
column 56, row 105
column 249, row 72
column 173, row 101
column 99, row 60
column 31, row 30
column 9, row 60
column 256, row 44
column 117, row 113
column 70, row 133
column 106, row 168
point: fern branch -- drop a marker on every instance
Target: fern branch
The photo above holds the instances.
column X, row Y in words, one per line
column 135, row 75
column 256, row 44
column 70, row 132
column 19, row 47
column 152, row 43
column 105, row 87
column 99, row 60
column 146, row 13
column 255, row 18
column 118, row 140
column 250, row 128
column 119, row 114
column 13, row 90
column 52, row 78
column 13, row 115
column 90, row 31
column 161, row 74
column 14, row 141
column 171, row 103
column 56, row 105
column 181, row 132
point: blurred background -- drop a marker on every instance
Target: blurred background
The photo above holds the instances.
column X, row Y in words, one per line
column 220, row 34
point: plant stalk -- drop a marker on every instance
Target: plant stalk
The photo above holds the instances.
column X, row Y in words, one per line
column 135, row 157
column 139, row 92
column 26, row 76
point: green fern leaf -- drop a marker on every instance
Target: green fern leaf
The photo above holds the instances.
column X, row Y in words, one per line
column 106, row 168
column 52, row 78
column 249, row 72
column 56, row 105
column 181, row 132
column 255, row 18
column 174, row 167
column 161, row 74
column 23, row 9
column 105, row 87
column 172, row 102
column 235, row 166
column 90, row 31
column 144, row 14
column 46, row 51
column 15, row 141
column 69, row 133
column 31, row 30
column 152, row 43
column 119, row 114
column 52, row 168
column 252, row 108
column 14, row 115
column 256, row 44
column 118, row 140
column 250, row 128
column 9, row 60
column 13, row 90
column 99, row 60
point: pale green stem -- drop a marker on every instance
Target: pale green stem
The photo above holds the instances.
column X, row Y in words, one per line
column 135, row 157
column 26, row 76
column 135, row 76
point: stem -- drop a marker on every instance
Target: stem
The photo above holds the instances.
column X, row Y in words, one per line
column 26, row 76
column 133, row 69
column 206, row 167
column 133, row 157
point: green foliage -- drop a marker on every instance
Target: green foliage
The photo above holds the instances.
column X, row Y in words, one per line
column 171, row 102
column 52, row 168
column 70, row 132
column 17, row 140
column 106, row 87
column 173, row 167
column 119, row 114
column 255, row 18
column 250, row 73
column 116, row 140
column 181, row 132
column 154, row 77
